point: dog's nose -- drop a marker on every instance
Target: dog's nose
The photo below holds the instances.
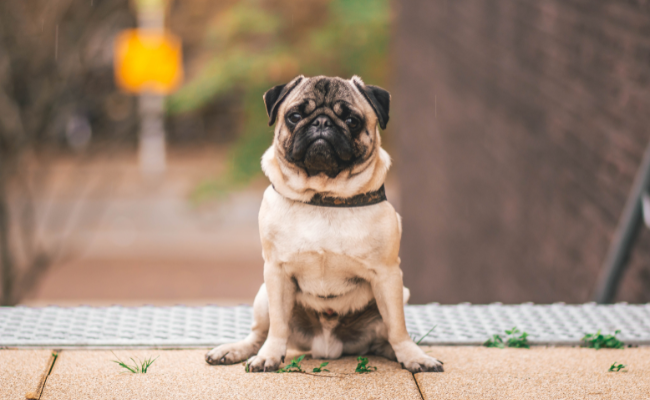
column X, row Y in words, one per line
column 322, row 121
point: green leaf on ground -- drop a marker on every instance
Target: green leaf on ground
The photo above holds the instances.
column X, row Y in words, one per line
column 494, row 341
column 363, row 367
column 616, row 367
column 599, row 341
column 293, row 366
column 320, row 367
column 513, row 338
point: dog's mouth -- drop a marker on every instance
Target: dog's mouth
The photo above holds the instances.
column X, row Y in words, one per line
column 321, row 157
column 322, row 150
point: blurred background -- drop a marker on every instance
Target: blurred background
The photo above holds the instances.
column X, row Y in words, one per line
column 516, row 131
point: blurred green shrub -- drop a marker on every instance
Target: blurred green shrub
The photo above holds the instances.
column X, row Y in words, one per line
column 254, row 45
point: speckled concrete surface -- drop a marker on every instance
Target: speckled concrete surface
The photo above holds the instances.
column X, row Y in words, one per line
column 537, row 373
column 470, row 373
column 183, row 374
column 20, row 371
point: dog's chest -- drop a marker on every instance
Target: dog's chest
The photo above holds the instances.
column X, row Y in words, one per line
column 323, row 252
column 320, row 237
column 326, row 247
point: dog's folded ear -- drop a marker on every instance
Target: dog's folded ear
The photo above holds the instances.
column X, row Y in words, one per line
column 378, row 98
column 276, row 95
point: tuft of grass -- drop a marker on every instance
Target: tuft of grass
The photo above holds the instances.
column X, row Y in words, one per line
column 616, row 367
column 321, row 368
column 363, row 367
column 425, row 335
column 138, row 367
column 599, row 341
column 293, row 366
column 514, row 338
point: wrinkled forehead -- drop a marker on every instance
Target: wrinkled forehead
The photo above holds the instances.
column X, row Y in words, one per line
column 325, row 92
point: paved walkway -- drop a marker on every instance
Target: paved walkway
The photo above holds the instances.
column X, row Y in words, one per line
column 470, row 373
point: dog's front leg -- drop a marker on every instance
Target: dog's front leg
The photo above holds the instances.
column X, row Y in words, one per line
column 388, row 290
column 281, row 293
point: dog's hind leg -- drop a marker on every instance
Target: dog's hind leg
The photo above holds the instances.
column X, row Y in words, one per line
column 232, row 353
column 382, row 348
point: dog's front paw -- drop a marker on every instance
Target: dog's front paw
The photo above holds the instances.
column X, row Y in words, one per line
column 270, row 356
column 230, row 353
column 415, row 360
column 260, row 363
column 423, row 364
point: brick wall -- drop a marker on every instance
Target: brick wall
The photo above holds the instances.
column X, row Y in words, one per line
column 519, row 126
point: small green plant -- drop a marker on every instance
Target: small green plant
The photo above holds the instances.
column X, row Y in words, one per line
column 519, row 342
column 599, row 341
column 616, row 367
column 514, row 338
column 321, row 368
column 425, row 335
column 363, row 367
column 138, row 367
column 293, row 366
column 494, row 341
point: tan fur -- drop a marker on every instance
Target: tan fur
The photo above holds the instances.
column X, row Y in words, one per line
column 341, row 259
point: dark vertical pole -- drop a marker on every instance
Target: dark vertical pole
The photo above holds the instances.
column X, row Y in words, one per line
column 624, row 236
column 6, row 261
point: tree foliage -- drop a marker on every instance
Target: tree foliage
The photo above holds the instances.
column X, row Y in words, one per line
column 254, row 45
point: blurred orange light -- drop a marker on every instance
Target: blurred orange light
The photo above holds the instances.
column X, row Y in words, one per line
column 148, row 61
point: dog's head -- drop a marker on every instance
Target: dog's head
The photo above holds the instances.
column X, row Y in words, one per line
column 326, row 125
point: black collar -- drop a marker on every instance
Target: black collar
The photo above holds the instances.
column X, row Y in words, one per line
column 360, row 200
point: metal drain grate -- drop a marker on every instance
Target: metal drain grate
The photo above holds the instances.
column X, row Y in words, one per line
column 180, row 326
column 554, row 324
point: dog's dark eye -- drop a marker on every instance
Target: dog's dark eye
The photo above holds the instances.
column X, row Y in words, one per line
column 352, row 122
column 295, row 118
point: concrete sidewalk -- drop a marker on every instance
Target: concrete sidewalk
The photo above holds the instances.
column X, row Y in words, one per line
column 20, row 371
column 538, row 373
column 470, row 373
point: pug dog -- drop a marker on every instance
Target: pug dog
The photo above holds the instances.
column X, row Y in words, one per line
column 330, row 240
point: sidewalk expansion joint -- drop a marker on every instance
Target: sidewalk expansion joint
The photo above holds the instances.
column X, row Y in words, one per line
column 417, row 385
column 36, row 395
